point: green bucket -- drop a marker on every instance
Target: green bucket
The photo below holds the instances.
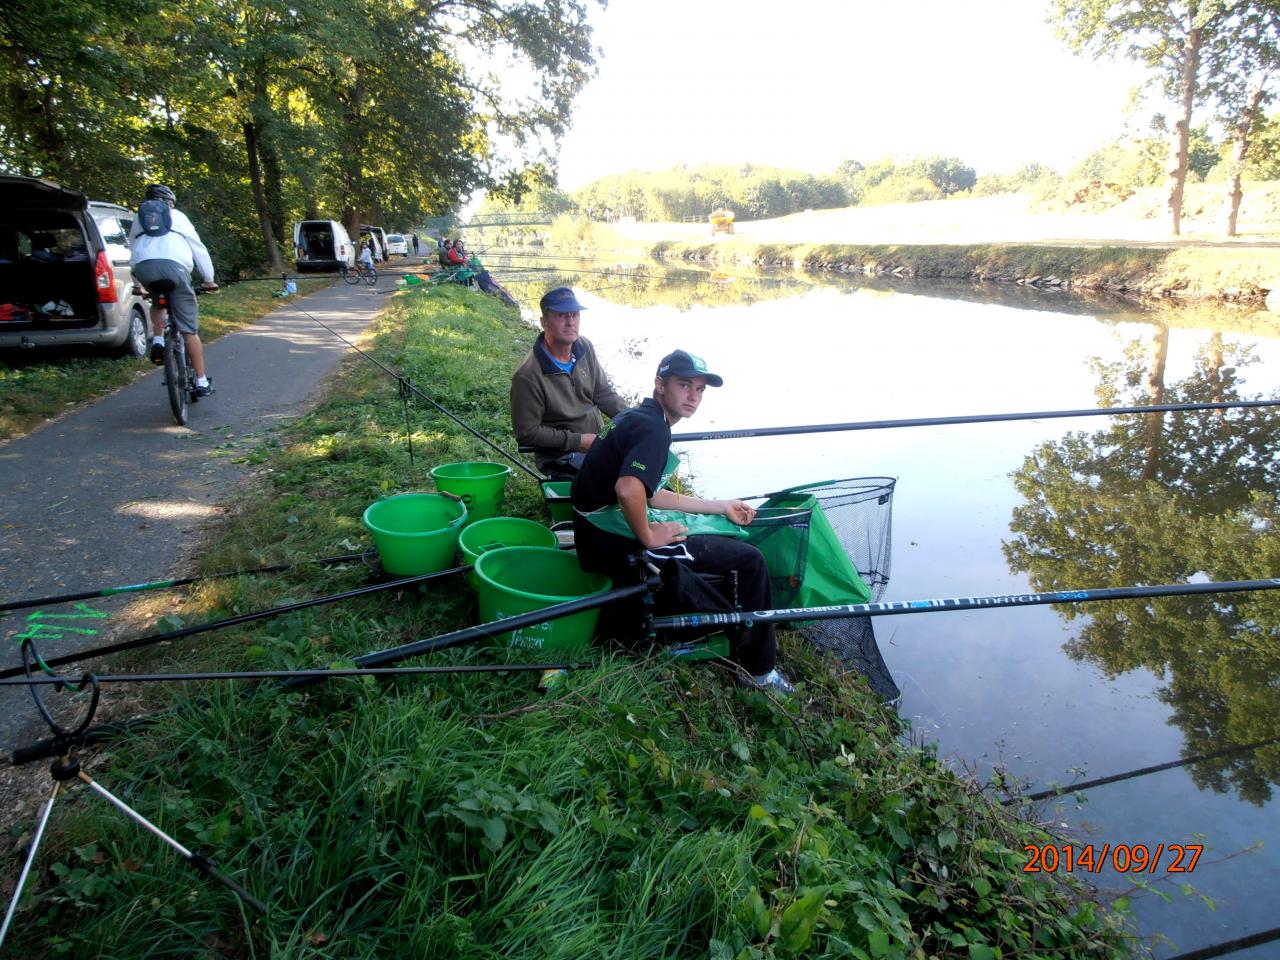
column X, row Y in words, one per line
column 485, row 535
column 556, row 495
column 416, row 532
column 516, row 580
column 479, row 483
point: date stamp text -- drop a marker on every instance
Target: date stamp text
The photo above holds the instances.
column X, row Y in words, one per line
column 1121, row 857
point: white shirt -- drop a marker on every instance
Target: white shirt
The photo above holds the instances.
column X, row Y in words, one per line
column 181, row 244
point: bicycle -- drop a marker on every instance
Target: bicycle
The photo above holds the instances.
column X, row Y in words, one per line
column 354, row 276
column 179, row 375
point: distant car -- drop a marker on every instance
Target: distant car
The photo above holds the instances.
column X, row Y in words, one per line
column 397, row 244
column 64, row 270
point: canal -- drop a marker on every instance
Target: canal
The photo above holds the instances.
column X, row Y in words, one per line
column 1048, row 695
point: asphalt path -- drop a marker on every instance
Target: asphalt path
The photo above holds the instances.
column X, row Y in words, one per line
column 115, row 492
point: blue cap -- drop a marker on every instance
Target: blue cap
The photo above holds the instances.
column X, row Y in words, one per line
column 561, row 300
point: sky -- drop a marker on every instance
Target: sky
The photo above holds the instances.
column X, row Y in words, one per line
column 807, row 85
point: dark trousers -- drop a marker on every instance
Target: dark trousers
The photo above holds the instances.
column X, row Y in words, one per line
column 756, row 647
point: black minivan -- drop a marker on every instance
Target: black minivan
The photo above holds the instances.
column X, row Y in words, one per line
column 64, row 270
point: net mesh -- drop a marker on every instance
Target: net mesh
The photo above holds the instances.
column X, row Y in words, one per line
column 860, row 512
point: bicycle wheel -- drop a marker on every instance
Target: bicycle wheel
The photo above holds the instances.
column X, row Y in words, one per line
column 351, row 276
column 175, row 375
column 371, row 276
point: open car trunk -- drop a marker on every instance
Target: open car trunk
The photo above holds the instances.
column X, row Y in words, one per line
column 46, row 266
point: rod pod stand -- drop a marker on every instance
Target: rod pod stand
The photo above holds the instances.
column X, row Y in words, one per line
column 66, row 768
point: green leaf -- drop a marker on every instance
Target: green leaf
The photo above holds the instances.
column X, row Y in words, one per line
column 878, row 942
column 800, row 918
column 980, row 951
column 495, row 832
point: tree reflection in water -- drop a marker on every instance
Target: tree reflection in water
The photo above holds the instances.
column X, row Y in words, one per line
column 1164, row 499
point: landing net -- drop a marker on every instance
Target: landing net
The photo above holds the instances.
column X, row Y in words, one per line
column 854, row 529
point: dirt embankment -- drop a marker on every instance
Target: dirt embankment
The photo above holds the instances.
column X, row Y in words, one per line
column 1122, row 245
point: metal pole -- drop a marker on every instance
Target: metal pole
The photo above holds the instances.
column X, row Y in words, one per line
column 237, row 621
column 688, row 620
column 974, row 418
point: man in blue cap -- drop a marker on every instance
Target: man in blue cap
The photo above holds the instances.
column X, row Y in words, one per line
column 625, row 473
column 560, row 390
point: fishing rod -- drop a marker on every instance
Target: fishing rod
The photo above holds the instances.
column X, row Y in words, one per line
column 366, row 663
column 406, row 384
column 973, row 418
column 840, row 611
column 154, row 638
column 318, row 674
column 1139, row 772
column 162, row 584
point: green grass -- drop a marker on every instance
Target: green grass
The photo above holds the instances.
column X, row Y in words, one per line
column 643, row 809
column 37, row 385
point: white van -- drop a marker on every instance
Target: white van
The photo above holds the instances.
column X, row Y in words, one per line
column 323, row 245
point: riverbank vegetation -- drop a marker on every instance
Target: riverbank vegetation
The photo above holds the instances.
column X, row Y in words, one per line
column 37, row 385
column 644, row 808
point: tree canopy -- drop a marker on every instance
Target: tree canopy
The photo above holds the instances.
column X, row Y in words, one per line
column 260, row 112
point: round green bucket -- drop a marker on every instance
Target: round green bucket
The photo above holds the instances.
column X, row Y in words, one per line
column 495, row 532
column 416, row 532
column 517, row 580
column 479, row 483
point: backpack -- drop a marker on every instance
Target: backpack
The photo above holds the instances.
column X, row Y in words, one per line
column 154, row 218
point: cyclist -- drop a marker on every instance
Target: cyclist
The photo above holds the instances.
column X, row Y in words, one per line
column 163, row 255
column 365, row 260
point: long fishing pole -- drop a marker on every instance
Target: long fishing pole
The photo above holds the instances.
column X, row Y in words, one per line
column 684, row 621
column 50, row 747
column 153, row 638
column 1139, row 772
column 487, row 631
column 162, row 584
column 318, row 674
column 973, row 418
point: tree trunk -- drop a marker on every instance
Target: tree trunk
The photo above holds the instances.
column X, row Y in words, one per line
column 1155, row 395
column 260, row 197
column 1235, row 169
column 273, row 182
column 1179, row 150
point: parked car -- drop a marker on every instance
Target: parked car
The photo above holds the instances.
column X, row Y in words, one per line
column 322, row 245
column 397, row 245
column 64, row 270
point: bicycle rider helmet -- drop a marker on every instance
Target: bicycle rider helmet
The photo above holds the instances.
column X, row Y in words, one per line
column 158, row 191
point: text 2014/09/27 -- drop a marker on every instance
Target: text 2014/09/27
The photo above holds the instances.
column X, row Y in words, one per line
column 1121, row 857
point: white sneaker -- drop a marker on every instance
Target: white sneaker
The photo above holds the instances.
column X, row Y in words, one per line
column 774, row 680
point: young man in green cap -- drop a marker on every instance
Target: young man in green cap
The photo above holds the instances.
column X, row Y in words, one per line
column 624, row 473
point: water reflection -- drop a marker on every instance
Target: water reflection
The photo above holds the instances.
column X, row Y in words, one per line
column 1166, row 499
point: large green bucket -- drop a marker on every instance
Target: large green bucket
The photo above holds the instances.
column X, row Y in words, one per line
column 416, row 532
column 556, row 495
column 517, row 580
column 479, row 483
column 495, row 532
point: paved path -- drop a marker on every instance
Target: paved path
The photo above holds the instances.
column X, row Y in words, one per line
column 109, row 494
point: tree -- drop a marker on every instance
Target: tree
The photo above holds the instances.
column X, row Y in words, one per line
column 1190, row 495
column 1246, row 56
column 1169, row 37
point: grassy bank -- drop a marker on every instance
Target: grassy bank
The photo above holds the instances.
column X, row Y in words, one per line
column 37, row 385
column 643, row 809
column 1192, row 272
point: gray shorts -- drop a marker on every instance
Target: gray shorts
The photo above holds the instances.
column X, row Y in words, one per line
column 182, row 298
